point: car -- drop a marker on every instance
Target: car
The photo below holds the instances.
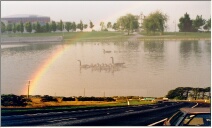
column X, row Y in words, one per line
column 190, row 117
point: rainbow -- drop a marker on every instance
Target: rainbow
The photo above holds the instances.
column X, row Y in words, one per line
column 38, row 74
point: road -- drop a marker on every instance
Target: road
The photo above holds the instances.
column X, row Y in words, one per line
column 142, row 115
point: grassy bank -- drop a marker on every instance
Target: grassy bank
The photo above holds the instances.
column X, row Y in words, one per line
column 37, row 106
column 101, row 36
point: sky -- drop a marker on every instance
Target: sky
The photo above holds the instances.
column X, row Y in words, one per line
column 106, row 11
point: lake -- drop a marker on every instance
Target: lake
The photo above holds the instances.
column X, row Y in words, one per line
column 138, row 68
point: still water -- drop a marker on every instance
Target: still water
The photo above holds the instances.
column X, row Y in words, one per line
column 151, row 68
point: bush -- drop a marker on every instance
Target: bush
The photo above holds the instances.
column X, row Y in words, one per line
column 13, row 100
column 95, row 99
column 68, row 99
column 47, row 98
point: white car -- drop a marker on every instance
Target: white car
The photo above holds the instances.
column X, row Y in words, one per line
column 190, row 117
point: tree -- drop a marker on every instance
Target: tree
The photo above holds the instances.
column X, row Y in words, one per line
column 91, row 25
column 74, row 26
column 48, row 27
column 207, row 26
column 109, row 25
column 102, row 26
column 3, row 27
column 37, row 27
column 14, row 28
column 156, row 21
column 128, row 23
column 80, row 26
column 28, row 27
column 18, row 27
column 13, row 100
column 60, row 26
column 199, row 21
column 85, row 26
column 185, row 24
column 9, row 27
column 115, row 27
column 54, row 26
column 21, row 27
column 68, row 26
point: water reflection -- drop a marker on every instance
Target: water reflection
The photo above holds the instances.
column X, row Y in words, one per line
column 145, row 68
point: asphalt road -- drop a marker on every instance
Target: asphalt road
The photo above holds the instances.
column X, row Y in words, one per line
column 111, row 116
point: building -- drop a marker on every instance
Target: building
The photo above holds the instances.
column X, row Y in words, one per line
column 25, row 18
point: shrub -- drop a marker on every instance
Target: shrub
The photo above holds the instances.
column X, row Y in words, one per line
column 47, row 98
column 68, row 99
column 95, row 99
column 14, row 100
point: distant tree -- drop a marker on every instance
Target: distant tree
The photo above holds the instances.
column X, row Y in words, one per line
column 80, row 26
column 128, row 23
column 14, row 28
column 91, row 25
column 21, row 27
column 3, row 27
column 54, row 26
column 102, row 25
column 28, row 27
column 68, row 26
column 199, row 21
column 9, row 27
column 85, row 26
column 74, row 26
column 60, row 25
column 13, row 100
column 37, row 27
column 48, row 27
column 109, row 25
column 18, row 27
column 47, row 98
column 115, row 27
column 156, row 21
column 207, row 26
column 185, row 24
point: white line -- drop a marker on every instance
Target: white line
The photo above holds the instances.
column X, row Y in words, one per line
column 194, row 105
column 157, row 122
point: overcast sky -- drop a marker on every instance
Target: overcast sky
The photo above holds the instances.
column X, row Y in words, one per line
column 105, row 11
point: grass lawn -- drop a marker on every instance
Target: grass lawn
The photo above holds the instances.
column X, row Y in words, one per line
column 37, row 106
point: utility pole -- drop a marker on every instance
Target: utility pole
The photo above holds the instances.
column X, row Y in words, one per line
column 104, row 94
column 28, row 89
column 84, row 92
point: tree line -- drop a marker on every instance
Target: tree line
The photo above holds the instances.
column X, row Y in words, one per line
column 154, row 22
column 183, row 93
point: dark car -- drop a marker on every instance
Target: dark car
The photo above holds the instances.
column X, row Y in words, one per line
column 190, row 117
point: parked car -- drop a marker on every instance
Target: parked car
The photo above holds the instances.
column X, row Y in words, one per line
column 190, row 117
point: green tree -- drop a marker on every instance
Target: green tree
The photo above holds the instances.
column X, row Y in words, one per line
column 9, row 27
column 48, row 27
column 128, row 23
column 102, row 25
column 207, row 26
column 28, row 27
column 54, row 26
column 156, row 21
column 185, row 24
column 91, row 25
column 13, row 100
column 115, row 27
column 80, row 26
column 21, row 27
column 18, row 27
column 85, row 26
column 74, row 26
column 68, row 26
column 3, row 27
column 199, row 21
column 14, row 28
column 60, row 26
column 109, row 25
column 37, row 27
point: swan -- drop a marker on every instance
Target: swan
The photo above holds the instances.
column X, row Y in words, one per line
column 106, row 51
column 116, row 64
column 83, row 66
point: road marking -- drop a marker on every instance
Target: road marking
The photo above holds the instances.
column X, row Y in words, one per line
column 194, row 106
column 157, row 122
